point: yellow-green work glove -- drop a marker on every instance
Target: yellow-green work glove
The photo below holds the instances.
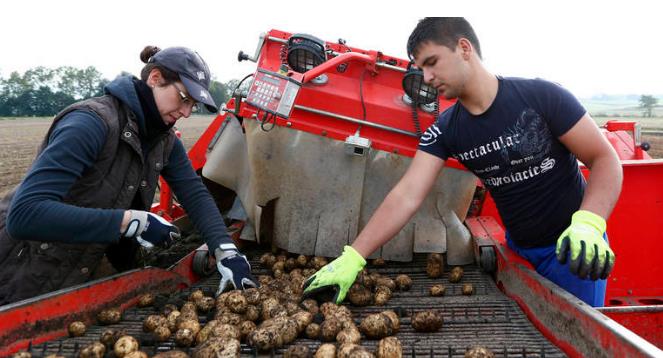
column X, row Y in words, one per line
column 583, row 241
column 333, row 280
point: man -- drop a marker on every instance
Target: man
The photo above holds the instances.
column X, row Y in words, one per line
column 521, row 138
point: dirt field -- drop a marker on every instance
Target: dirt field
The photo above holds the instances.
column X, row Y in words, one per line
column 20, row 138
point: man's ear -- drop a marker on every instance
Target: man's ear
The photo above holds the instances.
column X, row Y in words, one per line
column 155, row 78
column 466, row 48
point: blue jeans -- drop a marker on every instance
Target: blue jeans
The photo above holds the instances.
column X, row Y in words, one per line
column 545, row 262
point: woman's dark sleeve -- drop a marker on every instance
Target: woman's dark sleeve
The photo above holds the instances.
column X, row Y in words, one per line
column 37, row 211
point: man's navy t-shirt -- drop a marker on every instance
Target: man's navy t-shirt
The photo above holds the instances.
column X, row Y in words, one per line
column 513, row 148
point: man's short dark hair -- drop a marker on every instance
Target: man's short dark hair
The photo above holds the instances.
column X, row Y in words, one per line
column 445, row 31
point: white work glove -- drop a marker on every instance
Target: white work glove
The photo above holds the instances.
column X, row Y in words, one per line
column 234, row 268
column 150, row 229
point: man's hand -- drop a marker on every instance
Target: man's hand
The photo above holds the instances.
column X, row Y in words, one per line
column 583, row 241
column 234, row 268
column 338, row 275
column 150, row 229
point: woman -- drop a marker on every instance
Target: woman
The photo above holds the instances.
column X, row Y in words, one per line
column 88, row 192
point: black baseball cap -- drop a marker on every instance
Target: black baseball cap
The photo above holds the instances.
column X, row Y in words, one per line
column 193, row 72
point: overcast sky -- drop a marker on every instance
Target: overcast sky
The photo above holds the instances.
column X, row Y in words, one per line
column 590, row 47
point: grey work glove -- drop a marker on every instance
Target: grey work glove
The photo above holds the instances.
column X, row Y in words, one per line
column 234, row 268
column 150, row 229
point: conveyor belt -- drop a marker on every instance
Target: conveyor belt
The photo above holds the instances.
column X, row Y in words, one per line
column 487, row 318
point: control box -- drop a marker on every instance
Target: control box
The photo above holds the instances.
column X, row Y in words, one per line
column 273, row 93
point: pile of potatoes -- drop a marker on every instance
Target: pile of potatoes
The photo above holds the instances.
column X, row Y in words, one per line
column 376, row 289
column 273, row 316
column 435, row 269
column 116, row 341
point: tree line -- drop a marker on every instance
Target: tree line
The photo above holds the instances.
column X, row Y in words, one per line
column 42, row 91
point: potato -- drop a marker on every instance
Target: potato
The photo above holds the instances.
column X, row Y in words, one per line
column 267, row 260
column 153, row 321
column 303, row 319
column 217, row 347
column 265, row 279
column 221, row 299
column 171, row 354
column 136, row 354
column 376, row 326
column 290, row 264
column 205, row 332
column 434, row 265
column 287, row 326
column 245, row 328
column 196, row 295
column 378, row 262
column 110, row 336
column 359, row 295
column 348, row 335
column 364, row 278
column 172, row 319
column 403, row 282
column 282, row 256
column 318, row 262
column 301, row 261
column 310, row 305
column 276, row 311
column 193, row 325
column 291, row 307
column 382, row 295
column 297, row 351
column 146, row 300
column 52, row 356
column 229, row 318
column 109, row 316
column 76, row 329
column 224, row 330
column 252, row 313
column 389, row 347
column 308, row 272
column 125, row 345
column 265, row 338
column 278, row 266
column 351, row 350
column 385, row 281
column 329, row 328
column 296, row 273
column 313, row 331
column 456, row 274
column 279, row 274
column 205, row 304
column 189, row 308
column 395, row 321
column 479, row 352
column 187, row 315
column 269, row 303
column 167, row 308
column 437, row 290
column 94, row 350
column 24, row 354
column 184, row 337
column 161, row 333
column 326, row 350
column 328, row 309
column 252, row 296
column 427, row 321
column 468, row 289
